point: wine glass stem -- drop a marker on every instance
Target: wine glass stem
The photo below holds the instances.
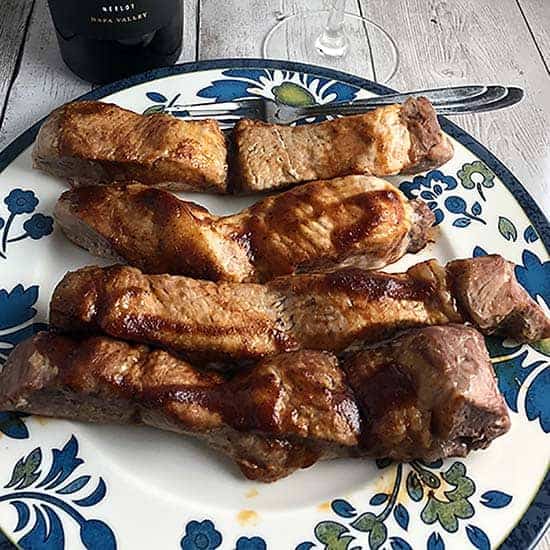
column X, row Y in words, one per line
column 333, row 41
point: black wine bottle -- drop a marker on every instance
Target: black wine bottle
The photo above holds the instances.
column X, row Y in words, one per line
column 102, row 41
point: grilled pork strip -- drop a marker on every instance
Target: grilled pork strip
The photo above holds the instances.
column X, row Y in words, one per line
column 285, row 414
column 90, row 142
column 357, row 220
column 398, row 139
column 429, row 394
column 328, row 311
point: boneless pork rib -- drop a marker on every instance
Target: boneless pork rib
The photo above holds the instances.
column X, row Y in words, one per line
column 90, row 142
column 398, row 139
column 324, row 311
column 356, row 220
column 428, row 394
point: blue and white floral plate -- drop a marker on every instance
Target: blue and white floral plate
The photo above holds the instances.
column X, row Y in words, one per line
column 71, row 485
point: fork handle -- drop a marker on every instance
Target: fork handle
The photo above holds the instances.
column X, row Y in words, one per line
column 436, row 96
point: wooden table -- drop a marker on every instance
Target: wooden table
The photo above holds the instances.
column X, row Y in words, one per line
column 440, row 43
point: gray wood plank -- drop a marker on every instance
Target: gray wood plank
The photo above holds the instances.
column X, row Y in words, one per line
column 13, row 27
column 234, row 28
column 190, row 15
column 43, row 81
column 467, row 41
column 537, row 15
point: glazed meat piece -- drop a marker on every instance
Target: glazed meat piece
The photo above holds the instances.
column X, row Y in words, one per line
column 428, row 394
column 330, row 311
column 357, row 220
column 506, row 304
column 90, row 142
column 285, row 414
column 398, row 139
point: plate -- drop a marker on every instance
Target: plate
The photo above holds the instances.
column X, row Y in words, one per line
column 73, row 485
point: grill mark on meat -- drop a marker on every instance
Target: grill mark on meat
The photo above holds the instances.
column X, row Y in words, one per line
column 267, row 224
column 149, row 325
column 374, row 286
column 166, row 205
column 373, row 214
column 245, row 414
column 154, row 328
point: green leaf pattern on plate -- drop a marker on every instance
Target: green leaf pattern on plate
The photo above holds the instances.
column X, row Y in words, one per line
column 507, row 229
column 456, row 506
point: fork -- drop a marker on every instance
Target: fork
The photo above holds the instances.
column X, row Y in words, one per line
column 446, row 101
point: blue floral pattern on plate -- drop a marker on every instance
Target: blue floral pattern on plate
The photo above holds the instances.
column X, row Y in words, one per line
column 290, row 88
column 51, row 494
column 434, row 188
column 202, row 535
column 16, row 311
column 19, row 202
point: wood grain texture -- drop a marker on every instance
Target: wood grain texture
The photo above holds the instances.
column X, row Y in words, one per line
column 43, row 81
column 467, row 42
column 13, row 28
column 234, row 28
column 537, row 15
column 190, row 15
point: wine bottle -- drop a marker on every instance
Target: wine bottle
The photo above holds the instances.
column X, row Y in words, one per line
column 102, row 41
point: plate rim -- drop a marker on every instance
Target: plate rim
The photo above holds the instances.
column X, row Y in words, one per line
column 532, row 210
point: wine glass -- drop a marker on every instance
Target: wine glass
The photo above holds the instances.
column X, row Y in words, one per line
column 335, row 38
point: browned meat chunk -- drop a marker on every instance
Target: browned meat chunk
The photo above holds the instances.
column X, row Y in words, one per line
column 505, row 305
column 327, row 311
column 428, row 394
column 89, row 142
column 399, row 139
column 357, row 220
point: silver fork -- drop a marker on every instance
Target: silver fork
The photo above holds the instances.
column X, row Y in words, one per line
column 446, row 101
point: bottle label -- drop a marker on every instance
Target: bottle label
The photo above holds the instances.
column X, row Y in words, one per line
column 111, row 19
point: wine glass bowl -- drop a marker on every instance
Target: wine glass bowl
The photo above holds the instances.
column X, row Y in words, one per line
column 338, row 40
